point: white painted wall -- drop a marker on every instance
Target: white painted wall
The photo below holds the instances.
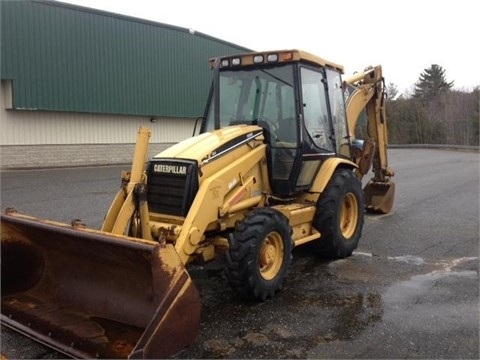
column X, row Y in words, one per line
column 27, row 132
column 26, row 127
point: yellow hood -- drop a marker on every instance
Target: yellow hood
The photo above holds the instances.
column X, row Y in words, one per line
column 207, row 145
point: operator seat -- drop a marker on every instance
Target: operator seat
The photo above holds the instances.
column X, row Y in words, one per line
column 284, row 149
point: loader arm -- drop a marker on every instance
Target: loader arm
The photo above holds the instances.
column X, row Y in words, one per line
column 130, row 205
column 211, row 202
column 369, row 95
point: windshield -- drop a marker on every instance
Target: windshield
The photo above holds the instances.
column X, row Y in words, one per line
column 257, row 96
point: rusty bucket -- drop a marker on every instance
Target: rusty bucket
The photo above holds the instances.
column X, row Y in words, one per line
column 91, row 294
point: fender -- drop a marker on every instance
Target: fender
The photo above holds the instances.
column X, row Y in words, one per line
column 326, row 171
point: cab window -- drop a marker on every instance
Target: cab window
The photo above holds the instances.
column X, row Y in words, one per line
column 339, row 117
column 315, row 111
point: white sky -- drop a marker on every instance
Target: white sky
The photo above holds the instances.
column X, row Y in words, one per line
column 405, row 37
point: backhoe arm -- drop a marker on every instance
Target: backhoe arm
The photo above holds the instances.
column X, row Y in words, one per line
column 369, row 94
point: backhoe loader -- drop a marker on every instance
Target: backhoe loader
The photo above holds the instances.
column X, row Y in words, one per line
column 268, row 168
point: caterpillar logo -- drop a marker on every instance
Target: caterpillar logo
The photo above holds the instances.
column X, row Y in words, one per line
column 170, row 169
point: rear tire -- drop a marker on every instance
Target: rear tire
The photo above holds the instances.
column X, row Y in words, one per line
column 340, row 216
column 259, row 254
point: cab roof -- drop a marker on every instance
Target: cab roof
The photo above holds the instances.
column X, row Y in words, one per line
column 274, row 56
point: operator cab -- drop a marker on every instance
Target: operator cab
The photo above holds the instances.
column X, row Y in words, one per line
column 296, row 98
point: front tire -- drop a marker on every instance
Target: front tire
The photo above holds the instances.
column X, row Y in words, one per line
column 340, row 215
column 259, row 254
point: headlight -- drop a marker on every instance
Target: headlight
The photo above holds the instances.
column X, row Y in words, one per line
column 272, row 58
column 258, row 59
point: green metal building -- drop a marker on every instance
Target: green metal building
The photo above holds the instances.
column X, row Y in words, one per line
column 76, row 83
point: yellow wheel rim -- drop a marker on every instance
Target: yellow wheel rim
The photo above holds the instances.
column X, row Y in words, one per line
column 271, row 256
column 348, row 216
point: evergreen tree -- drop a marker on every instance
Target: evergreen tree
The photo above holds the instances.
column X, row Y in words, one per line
column 431, row 83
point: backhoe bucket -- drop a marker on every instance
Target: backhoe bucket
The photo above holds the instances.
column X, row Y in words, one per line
column 91, row 294
column 379, row 196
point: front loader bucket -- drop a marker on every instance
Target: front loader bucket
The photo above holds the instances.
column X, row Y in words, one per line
column 91, row 294
column 379, row 196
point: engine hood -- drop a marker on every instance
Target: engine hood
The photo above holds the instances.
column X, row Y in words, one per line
column 205, row 147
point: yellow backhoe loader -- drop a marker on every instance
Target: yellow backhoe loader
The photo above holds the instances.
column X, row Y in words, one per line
column 269, row 168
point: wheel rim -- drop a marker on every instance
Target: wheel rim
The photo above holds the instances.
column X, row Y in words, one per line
column 271, row 256
column 348, row 216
